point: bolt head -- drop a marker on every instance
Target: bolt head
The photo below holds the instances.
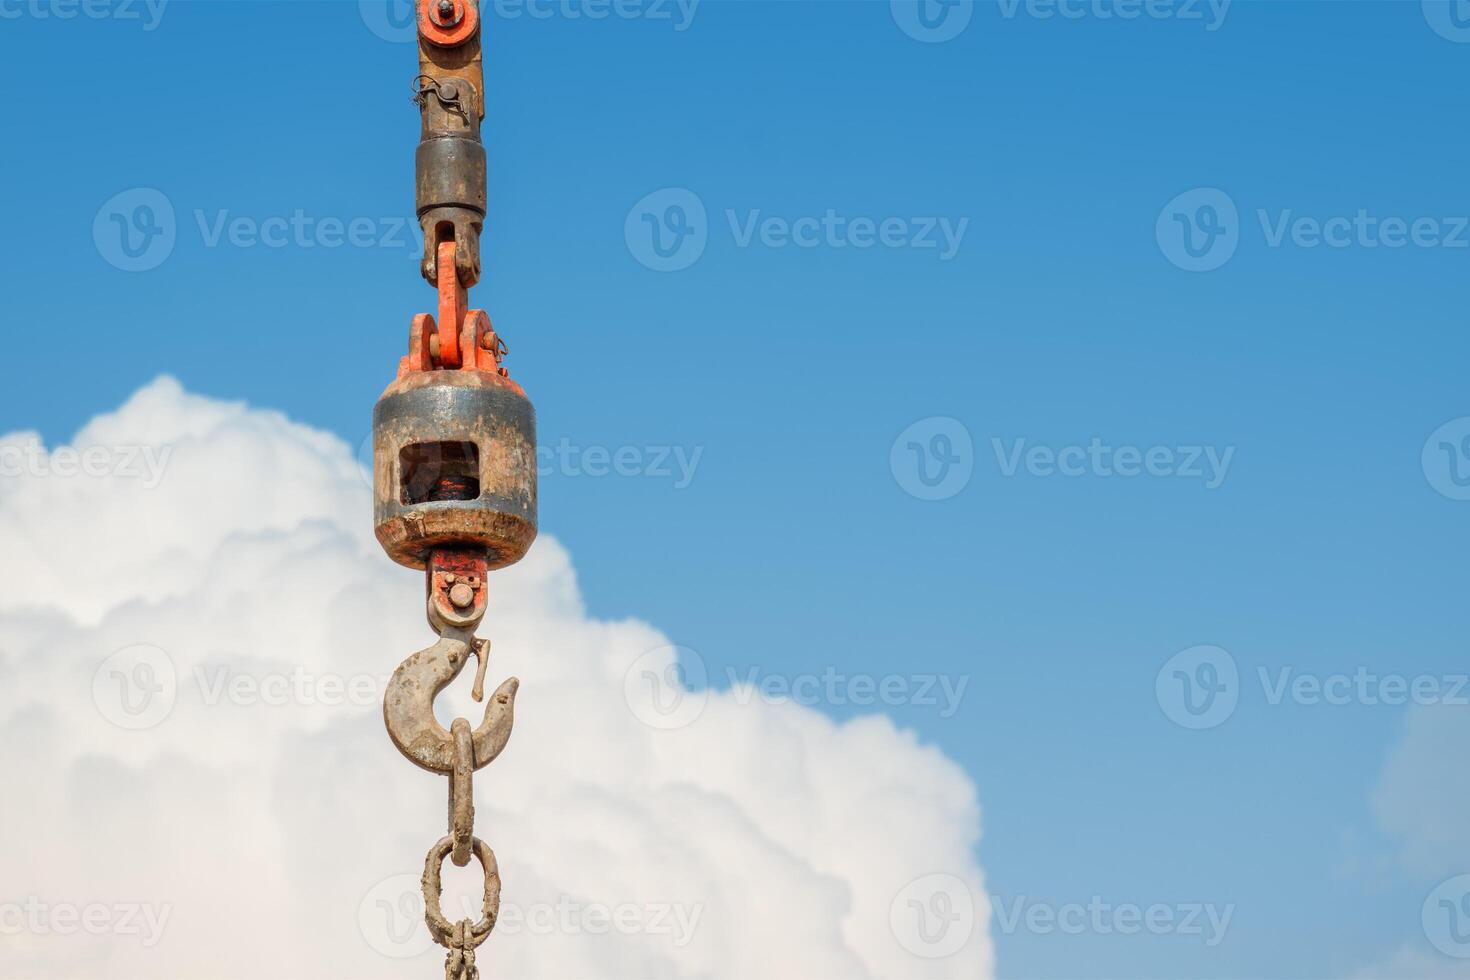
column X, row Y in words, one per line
column 446, row 13
column 462, row 596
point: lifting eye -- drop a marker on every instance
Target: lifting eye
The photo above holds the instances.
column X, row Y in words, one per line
column 431, row 471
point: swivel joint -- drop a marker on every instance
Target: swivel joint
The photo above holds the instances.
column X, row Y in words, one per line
column 450, row 174
column 450, row 163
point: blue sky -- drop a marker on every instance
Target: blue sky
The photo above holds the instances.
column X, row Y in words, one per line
column 1046, row 177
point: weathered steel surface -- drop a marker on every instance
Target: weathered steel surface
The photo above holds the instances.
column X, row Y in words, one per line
column 461, row 793
column 450, row 161
column 457, row 407
column 464, row 937
column 408, row 707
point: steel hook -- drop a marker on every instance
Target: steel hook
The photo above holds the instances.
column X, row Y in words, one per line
column 456, row 604
column 408, row 706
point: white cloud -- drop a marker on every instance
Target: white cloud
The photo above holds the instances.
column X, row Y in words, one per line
column 1411, row 963
column 1420, row 801
column 242, row 838
column 1423, row 792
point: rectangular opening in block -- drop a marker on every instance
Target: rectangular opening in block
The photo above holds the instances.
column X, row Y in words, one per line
column 432, row 471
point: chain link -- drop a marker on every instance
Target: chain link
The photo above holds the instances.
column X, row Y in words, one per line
column 462, row 793
column 460, row 963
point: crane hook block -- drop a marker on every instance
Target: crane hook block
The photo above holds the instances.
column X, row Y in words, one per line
column 454, row 443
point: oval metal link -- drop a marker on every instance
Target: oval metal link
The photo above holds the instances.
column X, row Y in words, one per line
column 446, row 933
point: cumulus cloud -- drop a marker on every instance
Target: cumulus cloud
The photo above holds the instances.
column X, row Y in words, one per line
column 1423, row 792
column 198, row 783
column 1420, row 801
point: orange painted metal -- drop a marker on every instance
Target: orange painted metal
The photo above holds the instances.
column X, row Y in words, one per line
column 481, row 338
column 460, row 338
column 452, row 302
column 420, row 346
column 448, row 32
